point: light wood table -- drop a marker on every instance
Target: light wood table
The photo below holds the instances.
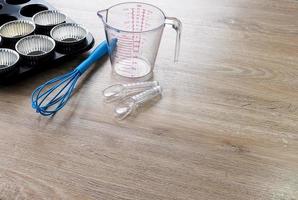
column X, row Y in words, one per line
column 226, row 127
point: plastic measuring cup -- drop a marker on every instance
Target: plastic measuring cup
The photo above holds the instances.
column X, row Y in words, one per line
column 137, row 29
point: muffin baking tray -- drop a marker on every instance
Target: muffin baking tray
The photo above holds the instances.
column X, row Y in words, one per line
column 35, row 36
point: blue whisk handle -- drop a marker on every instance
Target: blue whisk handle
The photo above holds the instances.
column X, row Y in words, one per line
column 100, row 51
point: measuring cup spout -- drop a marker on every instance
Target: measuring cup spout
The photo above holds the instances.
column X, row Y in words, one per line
column 103, row 15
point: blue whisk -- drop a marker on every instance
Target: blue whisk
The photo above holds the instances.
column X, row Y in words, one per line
column 52, row 96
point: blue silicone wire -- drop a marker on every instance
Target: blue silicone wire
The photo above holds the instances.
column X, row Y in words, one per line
column 67, row 82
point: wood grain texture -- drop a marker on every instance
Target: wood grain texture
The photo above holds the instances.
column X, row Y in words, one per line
column 226, row 128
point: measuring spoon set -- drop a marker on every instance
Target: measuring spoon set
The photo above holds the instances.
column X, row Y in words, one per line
column 130, row 97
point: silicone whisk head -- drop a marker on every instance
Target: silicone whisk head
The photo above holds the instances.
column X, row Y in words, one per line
column 51, row 96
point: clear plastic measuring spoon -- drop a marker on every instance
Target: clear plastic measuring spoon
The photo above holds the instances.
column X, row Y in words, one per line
column 128, row 106
column 119, row 91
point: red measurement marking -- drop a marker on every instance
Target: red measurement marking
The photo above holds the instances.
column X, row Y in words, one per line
column 127, row 55
column 128, row 44
column 125, row 40
column 123, row 36
column 124, row 47
column 124, row 55
column 124, row 62
column 125, row 52
column 125, row 65
column 123, row 59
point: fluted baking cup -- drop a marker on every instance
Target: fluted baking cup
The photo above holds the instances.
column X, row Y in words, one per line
column 46, row 20
column 14, row 30
column 69, row 37
column 35, row 48
column 8, row 60
column 17, row 29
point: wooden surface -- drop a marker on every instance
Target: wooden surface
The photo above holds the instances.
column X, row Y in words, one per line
column 226, row 128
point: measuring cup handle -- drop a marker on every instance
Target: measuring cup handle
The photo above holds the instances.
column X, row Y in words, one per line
column 177, row 25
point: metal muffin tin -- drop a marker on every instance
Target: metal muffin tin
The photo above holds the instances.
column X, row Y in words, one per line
column 28, row 65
